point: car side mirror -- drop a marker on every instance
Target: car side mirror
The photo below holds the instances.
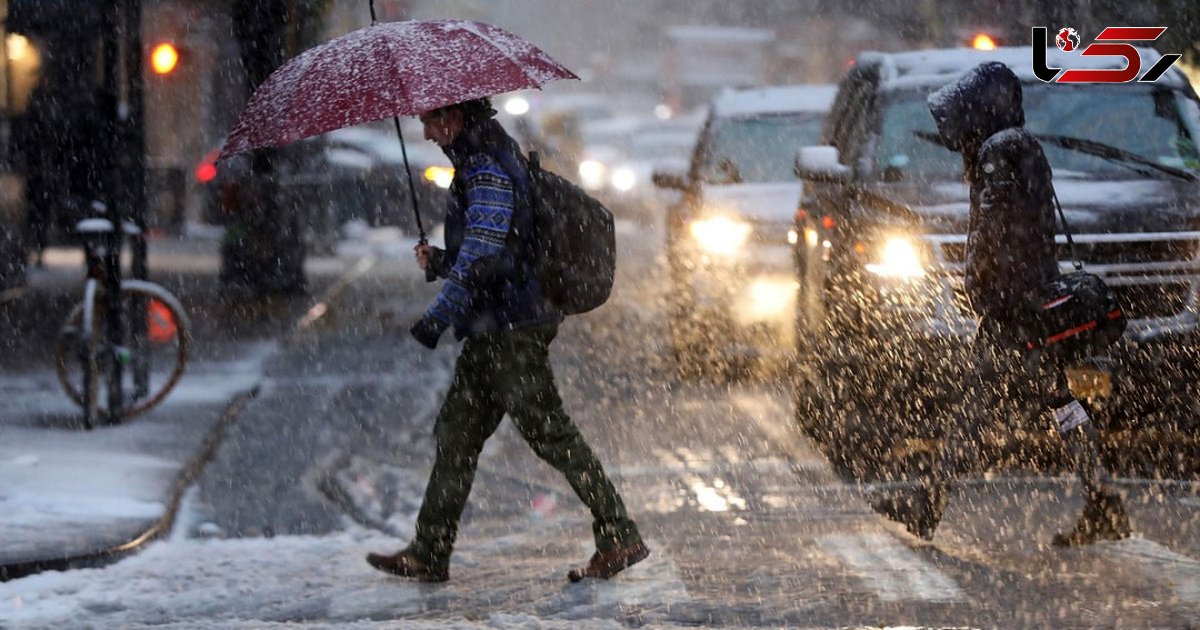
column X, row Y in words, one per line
column 821, row 163
column 669, row 179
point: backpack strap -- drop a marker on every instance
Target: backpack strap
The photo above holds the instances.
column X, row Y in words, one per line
column 1062, row 216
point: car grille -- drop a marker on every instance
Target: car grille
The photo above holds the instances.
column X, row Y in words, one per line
column 770, row 233
column 1141, row 301
column 1154, row 275
column 1104, row 253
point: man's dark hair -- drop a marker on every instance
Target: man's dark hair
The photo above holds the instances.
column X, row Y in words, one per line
column 474, row 111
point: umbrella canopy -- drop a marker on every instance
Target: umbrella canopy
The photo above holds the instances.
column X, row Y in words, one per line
column 386, row 70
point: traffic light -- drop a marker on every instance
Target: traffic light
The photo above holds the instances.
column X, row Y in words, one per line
column 164, row 58
column 983, row 41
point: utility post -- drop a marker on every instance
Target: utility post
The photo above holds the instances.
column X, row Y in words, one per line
column 263, row 252
column 134, row 127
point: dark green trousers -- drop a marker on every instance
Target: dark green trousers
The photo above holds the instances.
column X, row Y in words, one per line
column 501, row 373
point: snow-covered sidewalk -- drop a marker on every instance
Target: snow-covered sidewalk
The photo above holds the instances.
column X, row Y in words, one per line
column 68, row 494
column 70, row 497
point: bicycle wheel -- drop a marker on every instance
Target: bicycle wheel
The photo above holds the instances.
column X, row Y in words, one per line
column 85, row 358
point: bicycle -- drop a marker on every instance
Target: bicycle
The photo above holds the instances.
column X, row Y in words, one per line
column 97, row 342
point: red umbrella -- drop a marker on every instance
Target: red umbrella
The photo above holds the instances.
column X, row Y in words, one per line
column 387, row 70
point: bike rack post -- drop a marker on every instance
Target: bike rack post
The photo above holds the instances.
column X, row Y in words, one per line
column 114, row 321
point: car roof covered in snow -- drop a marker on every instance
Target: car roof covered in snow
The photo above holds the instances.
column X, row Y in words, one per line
column 774, row 100
column 923, row 68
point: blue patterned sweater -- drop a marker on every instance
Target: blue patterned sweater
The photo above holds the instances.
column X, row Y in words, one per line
column 490, row 287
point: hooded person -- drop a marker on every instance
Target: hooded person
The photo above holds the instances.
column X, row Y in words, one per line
column 1010, row 252
column 493, row 301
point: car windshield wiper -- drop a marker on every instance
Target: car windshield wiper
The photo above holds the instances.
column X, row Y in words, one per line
column 1089, row 147
column 931, row 137
column 1109, row 152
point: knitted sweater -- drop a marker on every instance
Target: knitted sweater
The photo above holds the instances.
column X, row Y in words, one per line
column 489, row 288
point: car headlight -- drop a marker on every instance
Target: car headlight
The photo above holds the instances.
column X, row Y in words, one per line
column 624, row 179
column 591, row 174
column 897, row 256
column 517, row 106
column 720, row 235
column 441, row 176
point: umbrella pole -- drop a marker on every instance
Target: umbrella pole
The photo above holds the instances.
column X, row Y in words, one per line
column 412, row 186
column 430, row 274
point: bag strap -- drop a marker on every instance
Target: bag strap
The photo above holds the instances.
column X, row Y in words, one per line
column 532, row 165
column 1062, row 216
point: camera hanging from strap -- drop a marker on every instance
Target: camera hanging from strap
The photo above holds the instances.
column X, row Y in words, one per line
column 1077, row 314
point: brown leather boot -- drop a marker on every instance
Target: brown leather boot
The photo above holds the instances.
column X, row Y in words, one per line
column 605, row 564
column 919, row 511
column 1103, row 518
column 405, row 563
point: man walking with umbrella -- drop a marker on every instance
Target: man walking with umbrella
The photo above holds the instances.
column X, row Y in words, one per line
column 441, row 69
column 492, row 299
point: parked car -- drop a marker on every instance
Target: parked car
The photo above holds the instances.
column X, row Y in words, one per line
column 732, row 290
column 388, row 201
column 879, row 241
column 354, row 173
column 14, row 242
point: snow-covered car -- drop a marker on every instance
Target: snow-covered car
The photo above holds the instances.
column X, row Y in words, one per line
column 732, row 291
column 880, row 240
column 663, row 146
column 621, row 155
column 553, row 125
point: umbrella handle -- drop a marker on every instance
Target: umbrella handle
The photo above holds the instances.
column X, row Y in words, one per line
column 430, row 274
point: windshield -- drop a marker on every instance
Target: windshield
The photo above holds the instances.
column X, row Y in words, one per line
column 1151, row 122
column 760, row 149
column 649, row 147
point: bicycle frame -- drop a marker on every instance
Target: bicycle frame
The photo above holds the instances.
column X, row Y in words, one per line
column 108, row 334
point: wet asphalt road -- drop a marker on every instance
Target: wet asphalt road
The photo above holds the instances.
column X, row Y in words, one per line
column 748, row 523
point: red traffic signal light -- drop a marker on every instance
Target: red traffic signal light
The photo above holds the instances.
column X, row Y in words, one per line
column 164, row 58
column 983, row 41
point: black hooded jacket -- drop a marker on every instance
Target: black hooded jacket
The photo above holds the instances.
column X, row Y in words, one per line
column 1010, row 238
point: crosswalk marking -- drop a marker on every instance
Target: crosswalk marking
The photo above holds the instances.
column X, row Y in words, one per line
column 890, row 570
column 773, row 417
column 670, row 462
column 1161, row 564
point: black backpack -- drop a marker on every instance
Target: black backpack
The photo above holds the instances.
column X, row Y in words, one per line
column 574, row 245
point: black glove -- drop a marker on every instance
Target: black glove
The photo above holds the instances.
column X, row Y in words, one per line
column 427, row 331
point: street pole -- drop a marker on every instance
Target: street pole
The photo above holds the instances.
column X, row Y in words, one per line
column 133, row 149
column 135, row 127
column 110, row 193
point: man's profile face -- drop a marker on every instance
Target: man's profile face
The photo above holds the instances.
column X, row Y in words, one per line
column 442, row 126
